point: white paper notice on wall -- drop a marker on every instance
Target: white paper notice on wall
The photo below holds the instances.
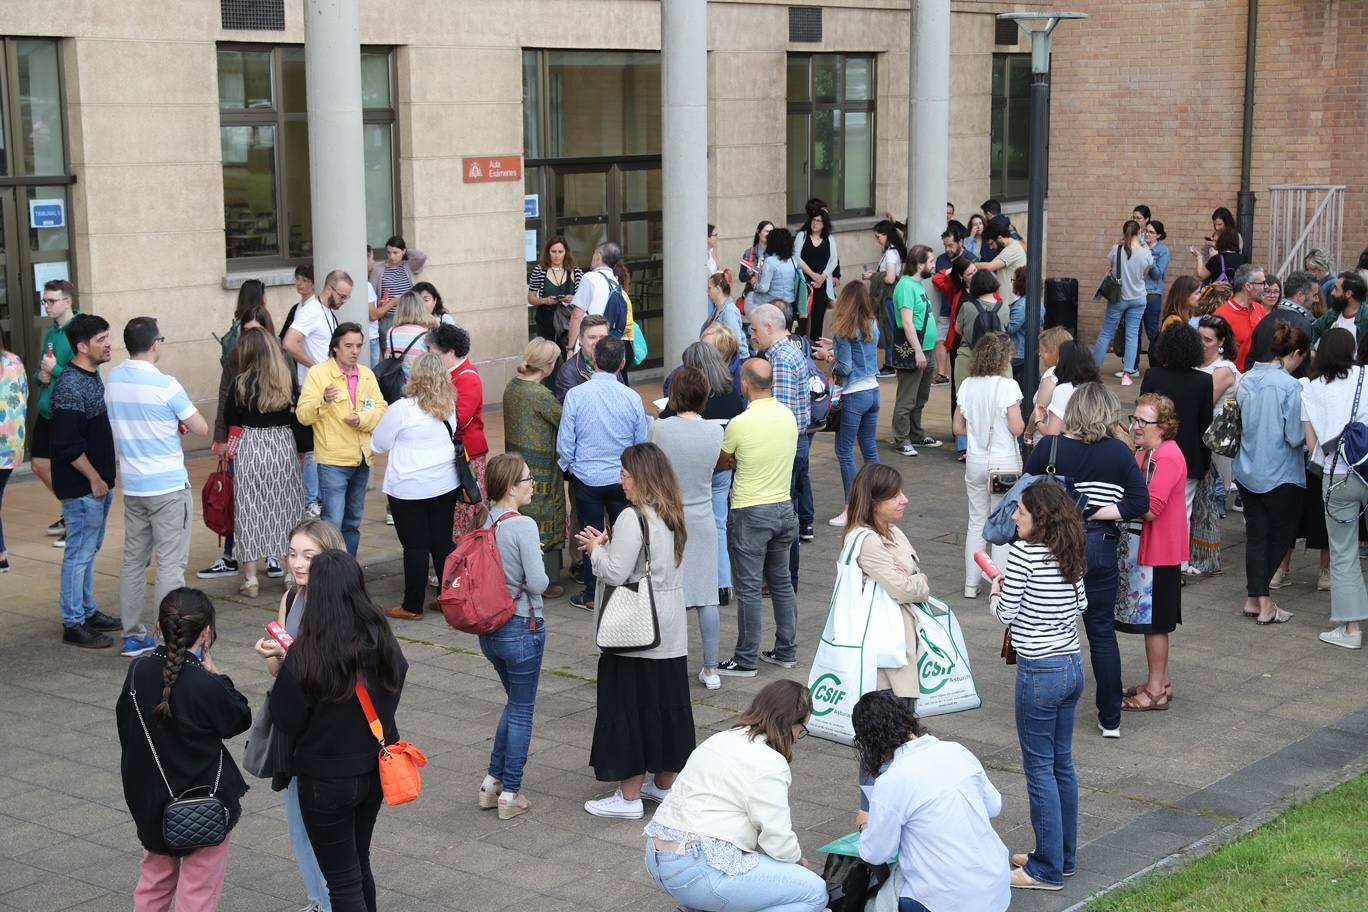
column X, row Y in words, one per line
column 530, row 245
column 47, row 213
column 47, row 272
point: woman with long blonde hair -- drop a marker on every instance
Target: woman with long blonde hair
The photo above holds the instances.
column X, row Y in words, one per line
column 413, row 320
column 729, row 347
column 420, row 479
column 268, row 496
column 853, row 353
column 645, row 717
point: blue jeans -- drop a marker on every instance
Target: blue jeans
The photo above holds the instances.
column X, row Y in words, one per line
column 85, row 519
column 1047, row 692
column 721, row 501
column 597, row 506
column 1154, row 306
column 771, row 886
column 1132, row 311
column 314, row 883
column 1100, row 620
column 859, row 420
column 515, row 651
column 311, row 495
column 343, row 493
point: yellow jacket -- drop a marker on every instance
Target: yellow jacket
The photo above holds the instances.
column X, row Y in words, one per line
column 337, row 443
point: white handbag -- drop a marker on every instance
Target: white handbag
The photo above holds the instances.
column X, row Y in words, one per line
column 628, row 620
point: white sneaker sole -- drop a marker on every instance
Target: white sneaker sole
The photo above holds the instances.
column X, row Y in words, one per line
column 1343, row 644
column 1109, row 732
column 613, row 815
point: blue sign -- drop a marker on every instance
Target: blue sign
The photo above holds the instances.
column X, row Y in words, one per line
column 48, row 213
column 531, row 205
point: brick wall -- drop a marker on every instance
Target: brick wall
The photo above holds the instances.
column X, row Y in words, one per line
column 1151, row 112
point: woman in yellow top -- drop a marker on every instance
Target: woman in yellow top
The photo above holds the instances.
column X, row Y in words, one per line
column 341, row 401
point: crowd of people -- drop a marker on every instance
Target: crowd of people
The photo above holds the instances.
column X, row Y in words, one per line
column 710, row 501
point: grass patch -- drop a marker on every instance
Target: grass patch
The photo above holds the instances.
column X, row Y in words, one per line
column 1312, row 857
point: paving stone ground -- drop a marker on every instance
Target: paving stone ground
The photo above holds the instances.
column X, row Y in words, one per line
column 1260, row 712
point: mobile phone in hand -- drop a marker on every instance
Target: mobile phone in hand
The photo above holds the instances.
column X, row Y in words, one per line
column 986, row 564
column 280, row 634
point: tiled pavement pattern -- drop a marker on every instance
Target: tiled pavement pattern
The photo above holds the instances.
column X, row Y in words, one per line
column 1260, row 711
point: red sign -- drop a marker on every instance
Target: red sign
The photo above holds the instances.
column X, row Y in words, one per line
column 486, row 169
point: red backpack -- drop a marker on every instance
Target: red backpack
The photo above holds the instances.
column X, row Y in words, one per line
column 217, row 500
column 474, row 597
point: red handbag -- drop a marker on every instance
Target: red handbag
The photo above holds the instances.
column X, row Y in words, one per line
column 400, row 780
column 216, row 500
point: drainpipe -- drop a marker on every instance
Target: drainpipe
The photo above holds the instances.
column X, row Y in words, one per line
column 1245, row 201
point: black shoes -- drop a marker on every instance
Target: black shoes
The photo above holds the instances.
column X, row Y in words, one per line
column 85, row 638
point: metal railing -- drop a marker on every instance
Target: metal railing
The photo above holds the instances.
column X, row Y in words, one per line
column 1305, row 217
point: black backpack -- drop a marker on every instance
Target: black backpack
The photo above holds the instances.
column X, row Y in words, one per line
column 389, row 373
column 987, row 321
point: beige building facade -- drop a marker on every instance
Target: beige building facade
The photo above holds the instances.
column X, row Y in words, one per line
column 177, row 147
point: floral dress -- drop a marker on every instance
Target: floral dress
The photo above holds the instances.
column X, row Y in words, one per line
column 14, row 393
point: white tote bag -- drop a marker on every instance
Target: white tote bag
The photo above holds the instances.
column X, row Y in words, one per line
column 946, row 680
column 843, row 670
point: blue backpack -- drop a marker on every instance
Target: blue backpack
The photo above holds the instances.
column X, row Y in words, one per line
column 1000, row 528
column 615, row 311
column 1351, row 446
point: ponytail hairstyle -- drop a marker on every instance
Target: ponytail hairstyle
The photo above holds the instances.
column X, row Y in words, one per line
column 1289, row 338
column 183, row 616
column 1129, row 232
column 722, row 279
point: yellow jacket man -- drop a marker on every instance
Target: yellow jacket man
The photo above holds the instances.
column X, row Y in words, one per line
column 341, row 401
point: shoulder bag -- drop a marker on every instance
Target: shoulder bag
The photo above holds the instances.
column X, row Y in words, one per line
column 1110, row 289
column 400, row 780
column 628, row 621
column 187, row 823
column 468, row 486
column 1222, row 436
column 1000, row 481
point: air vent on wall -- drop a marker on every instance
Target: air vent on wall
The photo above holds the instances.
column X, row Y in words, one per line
column 253, row 15
column 1007, row 33
column 805, row 24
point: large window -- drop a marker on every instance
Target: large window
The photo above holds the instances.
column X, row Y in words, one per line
column 264, row 134
column 830, row 133
column 1009, row 154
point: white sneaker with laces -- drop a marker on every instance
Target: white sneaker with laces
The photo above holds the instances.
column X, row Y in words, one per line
column 615, row 806
column 711, row 681
column 1109, row 732
column 907, row 449
column 1341, row 636
column 652, row 792
column 838, row 521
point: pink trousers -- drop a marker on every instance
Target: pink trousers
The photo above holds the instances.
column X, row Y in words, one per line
column 194, row 881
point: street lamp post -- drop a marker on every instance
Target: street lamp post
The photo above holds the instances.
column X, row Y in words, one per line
column 1039, row 26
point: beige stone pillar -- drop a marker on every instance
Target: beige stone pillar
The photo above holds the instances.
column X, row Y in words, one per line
column 928, row 122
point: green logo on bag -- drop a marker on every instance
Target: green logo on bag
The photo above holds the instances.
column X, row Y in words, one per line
column 827, row 692
column 934, row 664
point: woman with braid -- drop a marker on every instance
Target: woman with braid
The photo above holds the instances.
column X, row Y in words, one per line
column 189, row 709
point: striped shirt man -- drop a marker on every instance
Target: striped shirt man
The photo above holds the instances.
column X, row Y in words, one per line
column 146, row 408
column 1041, row 605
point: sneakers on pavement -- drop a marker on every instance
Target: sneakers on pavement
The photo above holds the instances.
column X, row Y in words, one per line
column 60, row 541
column 730, row 669
column 1280, row 579
column 273, row 569
column 1125, row 381
column 85, row 638
column 907, row 449
column 134, row 646
column 389, row 518
column 710, row 681
column 4, row 565
column 838, row 521
column 807, row 534
column 1340, row 636
column 98, row 620
column 314, row 510
column 886, row 372
column 615, row 806
column 219, row 569
column 652, row 792
column 582, row 602
column 928, row 441
column 773, row 658
column 1109, row 732
column 1323, row 581
column 1023, row 881
column 57, row 528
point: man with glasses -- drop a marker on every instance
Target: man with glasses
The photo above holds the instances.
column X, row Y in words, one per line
column 1245, row 309
column 148, row 411
column 307, row 342
column 59, row 303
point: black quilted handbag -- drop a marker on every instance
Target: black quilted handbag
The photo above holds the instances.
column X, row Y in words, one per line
column 187, row 823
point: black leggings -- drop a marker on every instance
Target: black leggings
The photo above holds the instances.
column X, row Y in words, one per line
column 339, row 815
column 424, row 528
column 1269, row 532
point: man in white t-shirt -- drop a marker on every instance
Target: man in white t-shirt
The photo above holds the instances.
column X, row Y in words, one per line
column 592, row 295
column 315, row 321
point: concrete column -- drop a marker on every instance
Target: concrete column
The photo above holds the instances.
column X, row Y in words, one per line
column 337, row 176
column 684, row 59
column 928, row 122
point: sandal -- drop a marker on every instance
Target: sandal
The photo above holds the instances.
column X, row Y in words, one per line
column 1279, row 617
column 1132, row 691
column 1150, row 702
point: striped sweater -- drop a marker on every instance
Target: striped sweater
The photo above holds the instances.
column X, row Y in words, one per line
column 1041, row 605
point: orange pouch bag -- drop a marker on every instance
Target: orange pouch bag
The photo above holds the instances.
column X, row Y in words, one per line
column 400, row 780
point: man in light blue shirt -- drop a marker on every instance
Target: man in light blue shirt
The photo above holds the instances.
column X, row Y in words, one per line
column 601, row 418
column 147, row 410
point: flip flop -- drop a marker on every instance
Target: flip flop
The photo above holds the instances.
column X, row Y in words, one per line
column 1281, row 617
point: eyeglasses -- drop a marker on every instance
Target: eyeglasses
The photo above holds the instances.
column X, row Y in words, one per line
column 528, row 480
column 1136, row 419
column 56, row 300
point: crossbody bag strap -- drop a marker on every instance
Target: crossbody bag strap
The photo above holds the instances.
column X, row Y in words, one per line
column 1054, row 449
column 133, row 694
column 645, row 538
column 368, row 707
column 1353, row 411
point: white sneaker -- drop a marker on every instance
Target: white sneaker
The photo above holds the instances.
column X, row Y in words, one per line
column 1126, row 380
column 907, row 449
column 971, row 591
column 1279, row 580
column 389, row 518
column 1109, row 732
column 1323, row 581
column 615, row 806
column 838, row 521
column 711, row 681
column 1119, row 374
column 652, row 792
column 1340, row 636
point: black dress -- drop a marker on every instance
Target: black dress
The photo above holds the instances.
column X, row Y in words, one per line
column 816, row 257
column 1191, row 392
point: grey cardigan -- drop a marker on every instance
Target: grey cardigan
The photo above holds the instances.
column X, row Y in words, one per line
column 621, row 560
